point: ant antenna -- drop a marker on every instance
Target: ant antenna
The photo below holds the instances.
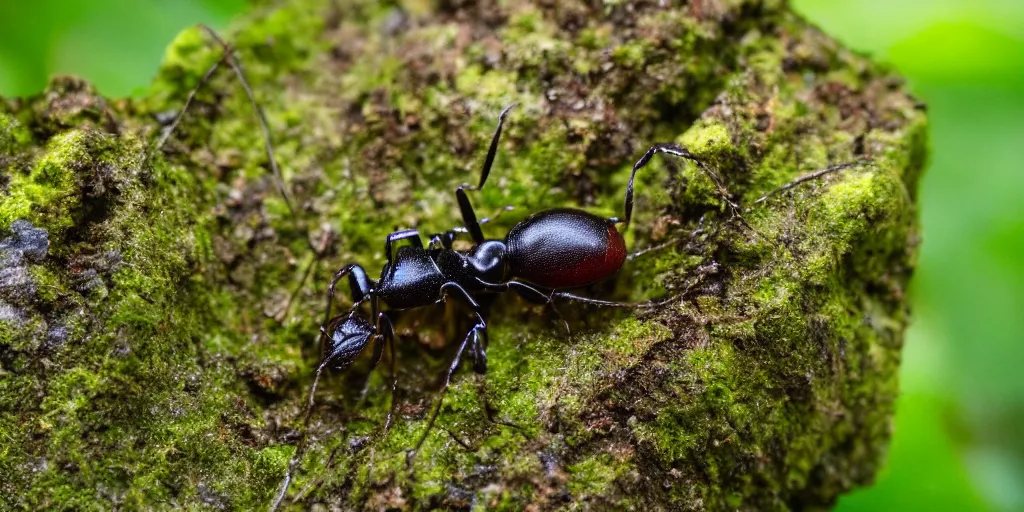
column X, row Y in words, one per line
column 228, row 57
column 188, row 102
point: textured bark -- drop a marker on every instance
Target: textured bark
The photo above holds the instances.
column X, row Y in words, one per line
column 151, row 356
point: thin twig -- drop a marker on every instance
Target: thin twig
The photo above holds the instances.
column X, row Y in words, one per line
column 809, row 177
column 264, row 125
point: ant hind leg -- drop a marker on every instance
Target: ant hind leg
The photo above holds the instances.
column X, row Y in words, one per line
column 533, row 294
column 676, row 150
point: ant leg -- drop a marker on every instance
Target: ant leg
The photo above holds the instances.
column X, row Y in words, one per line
column 446, row 239
column 388, row 332
column 378, row 354
column 474, row 334
column 493, row 149
column 614, row 304
column 462, row 293
column 653, row 248
column 531, row 294
column 348, row 337
column 465, row 208
column 528, row 292
column 565, row 323
column 809, row 177
column 673, row 149
column 300, row 449
column 673, row 241
column 361, row 285
column 342, row 272
column 412, row 235
column 469, row 217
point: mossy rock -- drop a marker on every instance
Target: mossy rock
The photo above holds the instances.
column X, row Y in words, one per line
column 158, row 338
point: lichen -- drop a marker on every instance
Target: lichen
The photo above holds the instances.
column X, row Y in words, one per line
column 160, row 354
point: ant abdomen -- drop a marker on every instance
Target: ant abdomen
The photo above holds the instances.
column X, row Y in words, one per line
column 564, row 248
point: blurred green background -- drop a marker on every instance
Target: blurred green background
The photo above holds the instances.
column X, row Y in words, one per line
column 958, row 442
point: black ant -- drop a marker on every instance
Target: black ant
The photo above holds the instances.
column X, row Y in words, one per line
column 542, row 256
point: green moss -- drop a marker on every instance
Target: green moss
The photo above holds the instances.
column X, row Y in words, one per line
column 12, row 133
column 592, row 476
column 631, row 55
column 50, row 185
column 165, row 353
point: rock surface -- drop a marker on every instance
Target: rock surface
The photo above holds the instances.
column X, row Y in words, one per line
column 157, row 338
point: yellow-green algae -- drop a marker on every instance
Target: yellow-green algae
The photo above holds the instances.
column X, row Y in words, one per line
column 156, row 360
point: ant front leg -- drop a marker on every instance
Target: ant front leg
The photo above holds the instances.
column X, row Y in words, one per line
column 387, row 333
column 480, row 338
column 361, row 287
column 474, row 335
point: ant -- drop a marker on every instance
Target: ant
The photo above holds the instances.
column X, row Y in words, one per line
column 541, row 257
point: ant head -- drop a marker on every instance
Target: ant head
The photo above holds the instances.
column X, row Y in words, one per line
column 489, row 261
column 344, row 340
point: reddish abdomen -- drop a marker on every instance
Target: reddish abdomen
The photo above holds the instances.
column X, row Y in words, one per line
column 564, row 248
